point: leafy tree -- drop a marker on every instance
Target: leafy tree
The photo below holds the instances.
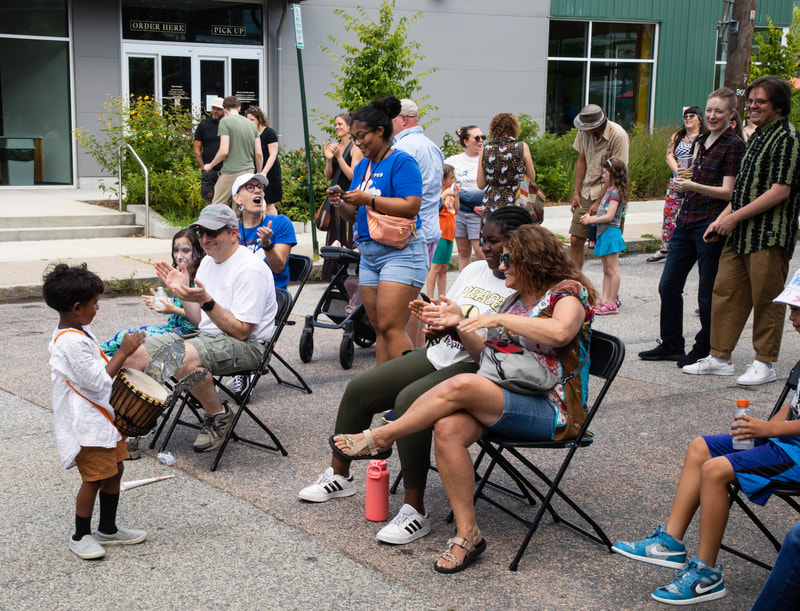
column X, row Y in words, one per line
column 380, row 64
column 783, row 60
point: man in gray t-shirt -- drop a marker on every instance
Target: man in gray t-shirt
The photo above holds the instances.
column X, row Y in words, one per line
column 239, row 149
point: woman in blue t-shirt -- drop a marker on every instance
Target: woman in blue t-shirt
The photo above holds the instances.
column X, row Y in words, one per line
column 389, row 182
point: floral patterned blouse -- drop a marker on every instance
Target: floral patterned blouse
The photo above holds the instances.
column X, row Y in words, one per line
column 546, row 355
column 504, row 167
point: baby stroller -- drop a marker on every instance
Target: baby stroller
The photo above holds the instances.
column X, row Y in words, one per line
column 335, row 306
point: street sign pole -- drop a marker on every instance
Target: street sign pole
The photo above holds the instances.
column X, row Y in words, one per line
column 298, row 36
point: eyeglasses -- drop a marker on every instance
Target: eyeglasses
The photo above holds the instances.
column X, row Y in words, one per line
column 202, row 231
column 480, row 138
column 505, row 259
column 690, row 115
column 755, row 102
column 360, row 137
column 250, row 187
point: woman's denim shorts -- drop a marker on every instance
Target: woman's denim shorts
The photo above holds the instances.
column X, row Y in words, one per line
column 381, row 263
column 528, row 417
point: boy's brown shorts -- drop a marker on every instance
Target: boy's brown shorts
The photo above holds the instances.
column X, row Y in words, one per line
column 95, row 464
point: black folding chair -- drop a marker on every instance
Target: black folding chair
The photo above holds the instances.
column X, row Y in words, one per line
column 240, row 398
column 788, row 493
column 299, row 270
column 606, row 355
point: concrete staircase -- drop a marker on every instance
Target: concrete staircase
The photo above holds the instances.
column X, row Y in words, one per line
column 108, row 224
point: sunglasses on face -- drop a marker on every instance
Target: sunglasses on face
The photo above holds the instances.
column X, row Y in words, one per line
column 202, row 231
column 505, row 259
column 690, row 115
column 755, row 102
column 480, row 138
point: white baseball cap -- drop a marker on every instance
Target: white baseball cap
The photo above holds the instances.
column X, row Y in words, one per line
column 245, row 178
column 791, row 294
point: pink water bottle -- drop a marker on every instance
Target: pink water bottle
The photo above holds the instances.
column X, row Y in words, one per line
column 377, row 506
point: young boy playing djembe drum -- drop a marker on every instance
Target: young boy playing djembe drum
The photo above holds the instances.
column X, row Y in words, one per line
column 85, row 434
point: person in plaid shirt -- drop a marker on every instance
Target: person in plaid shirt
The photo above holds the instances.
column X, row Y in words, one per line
column 717, row 155
column 760, row 224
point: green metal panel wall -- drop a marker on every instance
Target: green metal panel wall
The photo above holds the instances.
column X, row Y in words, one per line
column 687, row 41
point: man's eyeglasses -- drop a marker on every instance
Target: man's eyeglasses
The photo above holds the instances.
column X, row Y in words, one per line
column 360, row 137
column 202, row 231
column 505, row 259
column 480, row 138
column 755, row 102
column 250, row 187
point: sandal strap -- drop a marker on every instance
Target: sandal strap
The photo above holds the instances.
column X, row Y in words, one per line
column 355, row 447
column 370, row 442
column 461, row 542
column 451, row 558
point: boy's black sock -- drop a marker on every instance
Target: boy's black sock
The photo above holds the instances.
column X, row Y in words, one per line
column 108, row 513
column 83, row 526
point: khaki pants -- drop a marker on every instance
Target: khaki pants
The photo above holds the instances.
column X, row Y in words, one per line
column 222, row 190
column 744, row 283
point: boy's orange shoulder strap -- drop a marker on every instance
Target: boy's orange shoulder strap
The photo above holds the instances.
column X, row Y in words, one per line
column 75, row 390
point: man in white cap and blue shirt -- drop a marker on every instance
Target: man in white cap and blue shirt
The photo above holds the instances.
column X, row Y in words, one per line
column 232, row 304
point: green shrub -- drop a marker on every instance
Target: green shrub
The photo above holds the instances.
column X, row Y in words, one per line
column 647, row 169
column 295, row 182
column 450, row 146
column 175, row 194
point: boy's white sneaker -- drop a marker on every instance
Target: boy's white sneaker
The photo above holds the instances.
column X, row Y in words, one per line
column 709, row 365
column 123, row 536
column 757, row 373
column 87, row 548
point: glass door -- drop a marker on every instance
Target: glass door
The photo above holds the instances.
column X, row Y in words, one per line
column 191, row 77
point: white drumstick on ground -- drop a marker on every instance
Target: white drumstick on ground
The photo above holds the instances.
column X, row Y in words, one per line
column 141, row 482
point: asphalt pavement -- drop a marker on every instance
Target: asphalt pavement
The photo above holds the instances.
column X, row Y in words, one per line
column 238, row 537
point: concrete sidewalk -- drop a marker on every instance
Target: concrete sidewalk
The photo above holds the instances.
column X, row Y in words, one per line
column 132, row 258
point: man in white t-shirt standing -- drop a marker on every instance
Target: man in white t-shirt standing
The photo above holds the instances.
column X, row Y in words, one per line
column 233, row 306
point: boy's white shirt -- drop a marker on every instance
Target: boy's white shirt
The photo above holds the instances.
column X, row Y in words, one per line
column 76, row 357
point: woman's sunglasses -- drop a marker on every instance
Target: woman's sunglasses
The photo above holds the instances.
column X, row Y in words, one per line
column 479, row 138
column 505, row 259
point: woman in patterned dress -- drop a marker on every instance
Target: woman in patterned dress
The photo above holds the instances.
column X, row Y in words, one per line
column 503, row 164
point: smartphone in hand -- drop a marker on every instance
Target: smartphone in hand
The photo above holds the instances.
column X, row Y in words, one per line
column 335, row 189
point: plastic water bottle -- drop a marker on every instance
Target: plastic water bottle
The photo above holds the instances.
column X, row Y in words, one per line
column 743, row 407
column 377, row 502
column 160, row 300
column 166, row 458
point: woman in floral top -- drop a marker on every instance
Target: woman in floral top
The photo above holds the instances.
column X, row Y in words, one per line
column 551, row 316
column 503, row 164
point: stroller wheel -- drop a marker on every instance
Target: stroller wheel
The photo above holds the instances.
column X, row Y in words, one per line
column 306, row 345
column 346, row 352
column 364, row 342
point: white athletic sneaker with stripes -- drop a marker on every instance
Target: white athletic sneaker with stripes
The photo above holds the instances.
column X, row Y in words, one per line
column 328, row 486
column 407, row 526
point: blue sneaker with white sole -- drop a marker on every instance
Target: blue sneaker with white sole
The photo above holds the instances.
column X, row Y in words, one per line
column 659, row 548
column 697, row 583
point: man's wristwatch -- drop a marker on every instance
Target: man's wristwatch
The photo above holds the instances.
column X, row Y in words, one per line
column 268, row 246
column 208, row 305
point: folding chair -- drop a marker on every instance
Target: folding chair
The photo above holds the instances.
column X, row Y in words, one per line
column 299, row 270
column 606, row 355
column 788, row 493
column 240, row 398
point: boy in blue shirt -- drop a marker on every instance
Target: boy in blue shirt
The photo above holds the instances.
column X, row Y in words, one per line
column 711, row 464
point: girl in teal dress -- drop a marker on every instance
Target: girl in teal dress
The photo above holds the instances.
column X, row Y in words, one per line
column 186, row 248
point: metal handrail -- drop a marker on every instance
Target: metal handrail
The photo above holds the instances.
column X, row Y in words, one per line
column 146, row 185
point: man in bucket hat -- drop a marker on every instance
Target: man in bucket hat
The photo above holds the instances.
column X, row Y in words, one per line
column 596, row 141
column 232, row 304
